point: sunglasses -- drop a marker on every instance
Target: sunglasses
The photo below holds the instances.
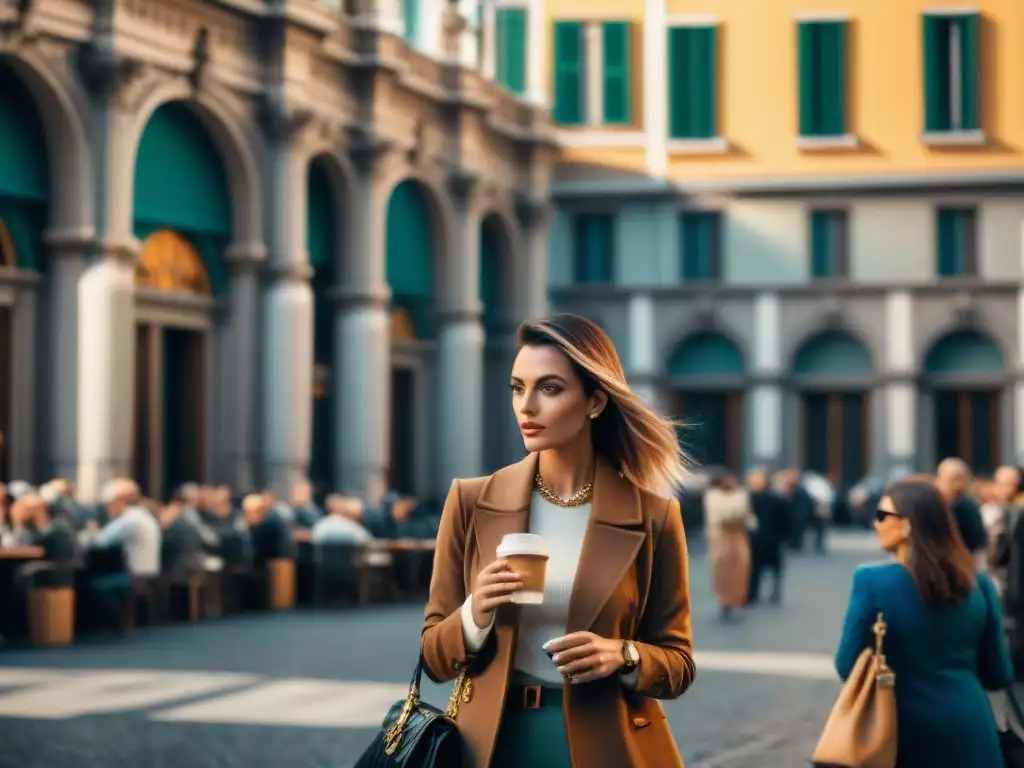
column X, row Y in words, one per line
column 882, row 514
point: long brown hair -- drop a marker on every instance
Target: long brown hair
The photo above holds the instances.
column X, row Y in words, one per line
column 628, row 434
column 939, row 562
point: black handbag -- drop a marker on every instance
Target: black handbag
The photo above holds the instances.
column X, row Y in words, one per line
column 417, row 735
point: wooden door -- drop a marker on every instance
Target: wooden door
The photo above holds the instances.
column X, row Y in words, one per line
column 968, row 426
column 143, row 449
column 183, row 414
column 6, row 371
column 836, row 439
column 402, row 474
column 713, row 434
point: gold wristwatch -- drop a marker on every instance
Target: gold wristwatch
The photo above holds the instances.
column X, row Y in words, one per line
column 630, row 656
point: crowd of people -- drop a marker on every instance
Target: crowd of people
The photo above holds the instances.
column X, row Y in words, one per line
column 202, row 529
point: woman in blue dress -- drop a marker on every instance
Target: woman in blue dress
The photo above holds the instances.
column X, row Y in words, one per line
column 945, row 638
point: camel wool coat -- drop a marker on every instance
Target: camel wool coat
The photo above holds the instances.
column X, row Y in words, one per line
column 632, row 582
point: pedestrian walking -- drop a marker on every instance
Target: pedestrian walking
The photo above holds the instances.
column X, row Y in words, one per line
column 729, row 519
column 768, row 539
column 564, row 676
column 945, row 640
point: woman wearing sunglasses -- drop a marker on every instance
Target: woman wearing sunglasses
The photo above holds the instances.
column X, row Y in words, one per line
column 945, row 638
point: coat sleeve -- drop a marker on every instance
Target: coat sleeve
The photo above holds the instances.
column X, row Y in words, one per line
column 860, row 616
column 442, row 641
column 665, row 639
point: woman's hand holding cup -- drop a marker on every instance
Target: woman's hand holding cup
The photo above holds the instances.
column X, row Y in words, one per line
column 495, row 585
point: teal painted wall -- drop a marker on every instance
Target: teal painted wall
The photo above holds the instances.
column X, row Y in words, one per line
column 706, row 354
column 491, row 257
column 964, row 352
column 409, row 244
column 181, row 184
column 832, row 352
column 24, row 169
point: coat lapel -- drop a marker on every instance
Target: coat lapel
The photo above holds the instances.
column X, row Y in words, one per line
column 504, row 506
column 614, row 536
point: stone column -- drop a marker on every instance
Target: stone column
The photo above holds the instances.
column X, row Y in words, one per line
column 655, row 87
column 287, row 395
column 900, row 392
column 240, row 354
column 460, row 381
column 765, row 400
column 362, row 340
column 68, row 257
column 22, row 442
column 1018, row 397
column 536, row 53
column 640, row 356
column 489, row 42
column 286, row 361
column 105, row 369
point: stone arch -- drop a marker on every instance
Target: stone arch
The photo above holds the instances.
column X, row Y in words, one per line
column 963, row 351
column 180, row 182
column 67, row 146
column 237, row 147
column 414, row 253
column 169, row 262
column 496, row 270
column 707, row 353
column 832, row 352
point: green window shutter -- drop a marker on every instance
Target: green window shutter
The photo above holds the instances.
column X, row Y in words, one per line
column 808, row 77
column 699, row 232
column 568, row 86
column 948, row 251
column 615, row 39
column 510, row 34
column 594, row 247
column 693, row 82
column 969, row 73
column 820, row 241
column 832, row 85
column 410, row 12
column 822, row 72
column 936, row 74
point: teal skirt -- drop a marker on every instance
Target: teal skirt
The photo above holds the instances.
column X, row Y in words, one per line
column 531, row 738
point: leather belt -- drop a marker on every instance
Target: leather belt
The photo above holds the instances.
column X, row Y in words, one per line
column 533, row 696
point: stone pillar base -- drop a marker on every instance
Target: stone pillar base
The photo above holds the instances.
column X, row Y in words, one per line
column 460, row 394
column 105, row 374
column 362, row 392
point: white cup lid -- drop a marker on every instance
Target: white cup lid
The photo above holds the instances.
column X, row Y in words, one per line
column 522, row 544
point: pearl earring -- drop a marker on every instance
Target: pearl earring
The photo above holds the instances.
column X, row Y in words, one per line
column 593, row 415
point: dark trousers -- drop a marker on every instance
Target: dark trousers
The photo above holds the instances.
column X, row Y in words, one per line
column 762, row 561
column 819, row 526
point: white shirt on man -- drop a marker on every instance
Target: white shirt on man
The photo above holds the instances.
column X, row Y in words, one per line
column 335, row 529
column 138, row 531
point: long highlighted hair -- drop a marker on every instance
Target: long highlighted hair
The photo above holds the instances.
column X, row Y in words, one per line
column 628, row 434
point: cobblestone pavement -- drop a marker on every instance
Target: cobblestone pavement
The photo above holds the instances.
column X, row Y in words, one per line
column 305, row 690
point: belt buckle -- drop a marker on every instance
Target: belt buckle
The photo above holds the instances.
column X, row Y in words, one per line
column 531, row 696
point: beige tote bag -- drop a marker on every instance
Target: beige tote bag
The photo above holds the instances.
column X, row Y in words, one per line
column 861, row 730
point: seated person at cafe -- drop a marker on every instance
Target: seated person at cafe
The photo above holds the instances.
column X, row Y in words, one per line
column 342, row 524
column 59, row 495
column 181, row 544
column 271, row 534
column 15, row 529
column 134, row 528
column 306, row 511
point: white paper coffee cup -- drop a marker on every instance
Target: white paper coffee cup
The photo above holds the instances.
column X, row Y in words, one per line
column 527, row 554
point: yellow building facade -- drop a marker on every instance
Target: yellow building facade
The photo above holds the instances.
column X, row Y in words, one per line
column 800, row 220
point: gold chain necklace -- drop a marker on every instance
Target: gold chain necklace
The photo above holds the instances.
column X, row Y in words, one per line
column 578, row 499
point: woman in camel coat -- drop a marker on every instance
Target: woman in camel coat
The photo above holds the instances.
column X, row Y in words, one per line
column 573, row 683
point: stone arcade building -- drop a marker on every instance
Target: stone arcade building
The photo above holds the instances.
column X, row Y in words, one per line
column 243, row 242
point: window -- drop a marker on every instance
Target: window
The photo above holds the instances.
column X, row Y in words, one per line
column 570, row 70
column 700, row 239
column 410, row 15
column 822, row 71
column 510, row 48
column 957, row 241
column 616, row 91
column 829, row 244
column 594, row 247
column 692, row 82
column 951, row 73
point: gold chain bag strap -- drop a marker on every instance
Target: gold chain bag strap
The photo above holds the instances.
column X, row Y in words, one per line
column 861, row 730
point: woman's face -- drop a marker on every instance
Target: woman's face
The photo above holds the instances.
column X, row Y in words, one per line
column 548, row 399
column 892, row 529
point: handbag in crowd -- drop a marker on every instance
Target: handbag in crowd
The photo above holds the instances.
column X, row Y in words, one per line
column 861, row 730
column 417, row 735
